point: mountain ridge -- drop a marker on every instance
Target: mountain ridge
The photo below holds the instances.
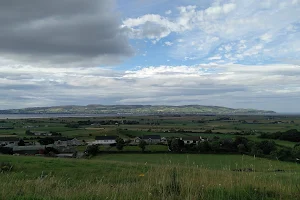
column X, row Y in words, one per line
column 134, row 109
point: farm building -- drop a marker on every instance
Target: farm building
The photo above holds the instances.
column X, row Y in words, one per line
column 31, row 150
column 150, row 139
column 11, row 141
column 60, row 141
column 74, row 142
column 106, row 140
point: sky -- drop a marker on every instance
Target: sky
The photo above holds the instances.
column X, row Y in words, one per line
column 232, row 53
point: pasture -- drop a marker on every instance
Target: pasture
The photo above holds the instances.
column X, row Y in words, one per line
column 165, row 126
column 141, row 176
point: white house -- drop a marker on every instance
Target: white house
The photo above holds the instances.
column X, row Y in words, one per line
column 42, row 134
column 105, row 140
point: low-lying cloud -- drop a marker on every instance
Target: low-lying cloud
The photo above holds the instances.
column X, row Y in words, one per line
column 263, row 87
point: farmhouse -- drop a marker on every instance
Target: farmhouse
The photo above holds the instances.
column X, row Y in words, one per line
column 105, row 140
column 74, row 142
column 150, row 139
column 31, row 150
column 63, row 141
column 42, row 134
column 11, row 141
column 60, row 141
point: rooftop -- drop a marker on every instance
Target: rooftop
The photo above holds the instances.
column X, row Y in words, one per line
column 146, row 137
column 110, row 137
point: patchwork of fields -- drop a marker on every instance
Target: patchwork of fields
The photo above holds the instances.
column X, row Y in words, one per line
column 166, row 126
column 139, row 175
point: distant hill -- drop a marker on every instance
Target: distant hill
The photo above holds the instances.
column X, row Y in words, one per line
column 134, row 109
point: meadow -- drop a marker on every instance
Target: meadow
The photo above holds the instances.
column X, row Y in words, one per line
column 158, row 176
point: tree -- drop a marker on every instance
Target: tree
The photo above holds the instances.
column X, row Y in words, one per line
column 215, row 146
column 241, row 148
column 50, row 151
column 176, row 145
column 6, row 150
column 143, row 145
column 21, row 143
column 204, row 146
column 92, row 150
column 28, row 132
column 46, row 141
column 267, row 146
column 120, row 143
column 296, row 152
column 255, row 150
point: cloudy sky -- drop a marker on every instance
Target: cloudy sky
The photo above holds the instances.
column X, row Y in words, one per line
column 233, row 53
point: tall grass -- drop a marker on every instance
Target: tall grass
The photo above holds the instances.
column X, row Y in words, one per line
column 94, row 179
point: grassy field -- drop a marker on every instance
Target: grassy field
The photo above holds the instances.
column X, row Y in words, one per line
column 204, row 161
column 152, row 176
column 166, row 126
column 142, row 176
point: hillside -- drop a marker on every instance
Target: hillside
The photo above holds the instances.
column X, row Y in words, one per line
column 134, row 109
column 148, row 176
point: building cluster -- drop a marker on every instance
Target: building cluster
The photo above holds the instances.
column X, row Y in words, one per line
column 66, row 145
column 149, row 139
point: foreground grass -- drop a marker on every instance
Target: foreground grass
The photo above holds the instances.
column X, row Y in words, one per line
column 103, row 178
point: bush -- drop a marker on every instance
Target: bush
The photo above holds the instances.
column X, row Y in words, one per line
column 51, row 151
column 5, row 166
column 6, row 150
column 176, row 145
column 92, row 150
column 143, row 145
column 120, row 143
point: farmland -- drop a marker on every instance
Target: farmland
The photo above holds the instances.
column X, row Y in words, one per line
column 157, row 173
column 165, row 126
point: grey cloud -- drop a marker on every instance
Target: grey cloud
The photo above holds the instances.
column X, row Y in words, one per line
column 62, row 31
column 233, row 87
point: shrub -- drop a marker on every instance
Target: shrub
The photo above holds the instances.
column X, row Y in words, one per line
column 6, row 150
column 120, row 143
column 142, row 145
column 5, row 167
column 92, row 150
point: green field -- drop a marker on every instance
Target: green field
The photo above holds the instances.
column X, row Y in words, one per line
column 142, row 176
column 207, row 161
column 132, row 174
column 166, row 126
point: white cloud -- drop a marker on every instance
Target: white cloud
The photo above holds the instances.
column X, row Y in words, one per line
column 215, row 58
column 217, row 10
column 168, row 12
column 22, row 86
column 266, row 37
column 223, row 23
column 169, row 43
